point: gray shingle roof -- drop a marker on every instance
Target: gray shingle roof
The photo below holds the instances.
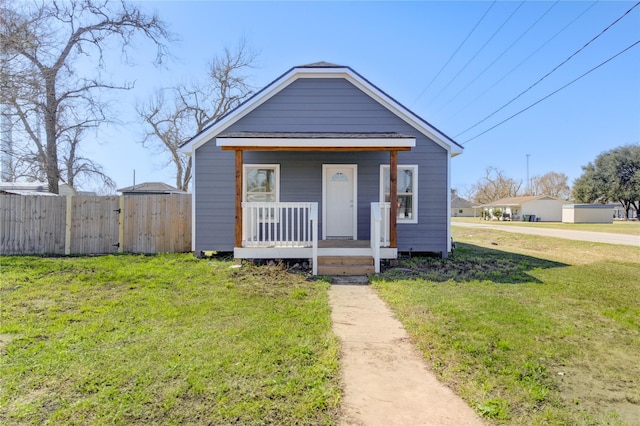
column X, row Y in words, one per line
column 316, row 135
column 152, row 187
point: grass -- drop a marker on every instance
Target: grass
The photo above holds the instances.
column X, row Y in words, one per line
column 528, row 330
column 164, row 339
column 617, row 227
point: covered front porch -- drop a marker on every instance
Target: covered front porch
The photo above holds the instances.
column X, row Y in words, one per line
column 291, row 230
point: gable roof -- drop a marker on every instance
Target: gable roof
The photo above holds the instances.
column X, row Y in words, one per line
column 322, row 70
column 152, row 188
column 460, row 203
column 34, row 188
column 517, row 201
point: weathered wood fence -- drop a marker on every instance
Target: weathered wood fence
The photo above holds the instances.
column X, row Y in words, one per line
column 95, row 225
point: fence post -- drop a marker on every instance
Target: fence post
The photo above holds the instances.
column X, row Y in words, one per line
column 121, row 225
column 67, row 225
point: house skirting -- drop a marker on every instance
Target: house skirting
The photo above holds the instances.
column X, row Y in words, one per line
column 306, row 252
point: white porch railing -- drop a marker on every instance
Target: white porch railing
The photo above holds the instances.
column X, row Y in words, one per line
column 292, row 225
column 295, row 225
column 376, row 224
column 385, row 235
column 279, row 224
column 380, row 231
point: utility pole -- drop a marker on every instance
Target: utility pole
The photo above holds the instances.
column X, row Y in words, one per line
column 528, row 182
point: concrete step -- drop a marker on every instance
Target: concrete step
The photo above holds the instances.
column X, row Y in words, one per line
column 345, row 265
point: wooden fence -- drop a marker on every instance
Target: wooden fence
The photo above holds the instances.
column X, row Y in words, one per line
column 38, row 224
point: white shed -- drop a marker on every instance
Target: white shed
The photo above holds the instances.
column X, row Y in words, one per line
column 587, row 213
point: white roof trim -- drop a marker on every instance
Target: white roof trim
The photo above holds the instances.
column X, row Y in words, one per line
column 296, row 73
column 317, row 142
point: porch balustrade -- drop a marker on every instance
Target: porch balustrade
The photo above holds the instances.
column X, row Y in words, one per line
column 279, row 224
column 379, row 233
column 295, row 225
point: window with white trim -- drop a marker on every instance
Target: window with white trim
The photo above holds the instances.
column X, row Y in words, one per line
column 261, row 183
column 407, row 191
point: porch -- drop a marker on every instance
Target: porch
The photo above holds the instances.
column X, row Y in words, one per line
column 278, row 230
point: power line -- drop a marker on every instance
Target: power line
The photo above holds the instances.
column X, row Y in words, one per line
column 553, row 93
column 456, row 51
column 501, row 54
column 478, row 52
column 508, row 73
column 550, row 72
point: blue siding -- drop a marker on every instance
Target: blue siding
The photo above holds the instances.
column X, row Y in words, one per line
column 322, row 105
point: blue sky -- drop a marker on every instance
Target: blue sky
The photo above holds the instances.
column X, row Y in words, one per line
column 401, row 47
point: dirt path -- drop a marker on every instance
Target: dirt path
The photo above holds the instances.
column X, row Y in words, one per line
column 386, row 381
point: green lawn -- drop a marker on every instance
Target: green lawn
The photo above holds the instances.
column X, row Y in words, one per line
column 617, row 227
column 527, row 329
column 165, row 339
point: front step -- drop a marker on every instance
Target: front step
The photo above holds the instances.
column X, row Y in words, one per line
column 345, row 265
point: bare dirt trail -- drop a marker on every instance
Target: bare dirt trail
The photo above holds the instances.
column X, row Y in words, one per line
column 386, row 380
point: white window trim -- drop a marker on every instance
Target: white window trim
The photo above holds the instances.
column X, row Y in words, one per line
column 245, row 167
column 414, row 167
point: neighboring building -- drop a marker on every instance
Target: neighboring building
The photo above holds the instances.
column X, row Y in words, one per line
column 618, row 212
column 534, row 208
column 587, row 213
column 461, row 207
column 34, row 188
column 150, row 188
column 316, row 149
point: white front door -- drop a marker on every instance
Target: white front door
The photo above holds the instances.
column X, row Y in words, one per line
column 340, row 199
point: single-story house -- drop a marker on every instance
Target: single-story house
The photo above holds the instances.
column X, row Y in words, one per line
column 150, row 188
column 322, row 164
column 461, row 207
column 587, row 213
column 34, row 188
column 530, row 208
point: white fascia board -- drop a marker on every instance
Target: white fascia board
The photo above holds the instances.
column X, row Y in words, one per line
column 318, row 142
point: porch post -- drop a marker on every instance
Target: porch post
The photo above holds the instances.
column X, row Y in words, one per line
column 393, row 198
column 238, row 210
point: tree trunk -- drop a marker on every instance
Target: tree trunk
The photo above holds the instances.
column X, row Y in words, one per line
column 50, row 119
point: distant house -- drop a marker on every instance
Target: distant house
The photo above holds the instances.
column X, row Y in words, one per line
column 34, row 188
column 618, row 212
column 461, row 207
column 150, row 188
column 534, row 208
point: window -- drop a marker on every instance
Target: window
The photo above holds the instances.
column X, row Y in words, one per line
column 407, row 191
column 261, row 183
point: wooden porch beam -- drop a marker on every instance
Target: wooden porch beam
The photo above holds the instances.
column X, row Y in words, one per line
column 314, row 149
column 238, row 196
column 393, row 198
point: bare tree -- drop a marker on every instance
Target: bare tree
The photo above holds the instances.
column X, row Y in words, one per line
column 553, row 184
column 174, row 115
column 42, row 43
column 493, row 186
